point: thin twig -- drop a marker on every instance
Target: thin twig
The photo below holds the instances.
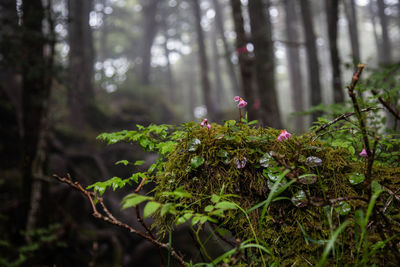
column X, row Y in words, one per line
column 112, row 220
column 342, row 117
column 386, row 105
column 140, row 185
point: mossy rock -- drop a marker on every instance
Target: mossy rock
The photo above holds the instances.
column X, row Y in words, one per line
column 242, row 161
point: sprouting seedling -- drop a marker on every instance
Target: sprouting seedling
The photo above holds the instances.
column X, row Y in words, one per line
column 241, row 104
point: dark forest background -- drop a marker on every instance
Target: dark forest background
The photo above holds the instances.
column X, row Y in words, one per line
column 72, row 69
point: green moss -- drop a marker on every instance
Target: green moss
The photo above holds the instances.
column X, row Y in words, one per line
column 232, row 155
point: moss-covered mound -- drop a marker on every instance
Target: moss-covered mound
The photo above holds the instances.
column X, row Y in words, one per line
column 327, row 187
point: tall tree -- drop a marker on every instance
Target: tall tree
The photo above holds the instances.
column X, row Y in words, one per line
column 219, row 20
column 205, row 81
column 219, row 87
column 264, row 62
column 378, row 43
column 312, row 55
column 245, row 62
column 10, row 57
column 81, row 58
column 150, row 26
column 293, row 57
column 352, row 22
column 35, row 91
column 332, row 13
column 386, row 45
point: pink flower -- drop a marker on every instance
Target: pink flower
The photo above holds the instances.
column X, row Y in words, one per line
column 363, row 153
column 205, row 122
column 284, row 135
column 242, row 103
column 237, row 98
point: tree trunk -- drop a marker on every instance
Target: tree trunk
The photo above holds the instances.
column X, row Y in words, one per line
column 293, row 57
column 264, row 62
column 205, row 81
column 150, row 25
column 245, row 62
column 219, row 20
column 378, row 43
column 386, row 45
column 312, row 56
column 11, row 62
column 219, row 87
column 332, row 13
column 170, row 78
column 35, row 91
column 351, row 14
column 81, row 57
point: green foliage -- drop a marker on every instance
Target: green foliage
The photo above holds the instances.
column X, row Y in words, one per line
column 287, row 201
column 40, row 237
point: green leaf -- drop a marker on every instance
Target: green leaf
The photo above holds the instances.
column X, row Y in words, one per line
column 125, row 162
column 193, row 144
column 132, row 200
column 215, row 198
column 166, row 208
column 196, row 162
column 356, row 178
column 226, row 205
column 184, row 218
column 139, row 162
column 343, row 208
column 208, row 208
column 222, row 153
column 150, row 208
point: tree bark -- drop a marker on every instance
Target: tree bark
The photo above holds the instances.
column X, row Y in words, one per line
column 332, row 13
column 81, row 59
column 150, row 26
column 170, row 78
column 351, row 14
column 219, row 87
column 312, row 56
column 219, row 20
column 35, row 91
column 11, row 59
column 378, row 43
column 386, row 45
column 293, row 57
column 264, row 61
column 205, row 81
column 245, row 62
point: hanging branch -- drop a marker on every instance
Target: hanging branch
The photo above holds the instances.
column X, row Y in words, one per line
column 109, row 218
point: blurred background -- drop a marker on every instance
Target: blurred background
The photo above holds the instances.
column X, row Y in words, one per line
column 72, row 69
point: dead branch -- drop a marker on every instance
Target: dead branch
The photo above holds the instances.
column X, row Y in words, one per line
column 109, row 218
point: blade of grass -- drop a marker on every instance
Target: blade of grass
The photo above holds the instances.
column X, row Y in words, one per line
column 331, row 243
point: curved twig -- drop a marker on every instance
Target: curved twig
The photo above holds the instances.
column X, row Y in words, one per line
column 109, row 218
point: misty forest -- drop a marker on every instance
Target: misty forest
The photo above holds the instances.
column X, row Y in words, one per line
column 199, row 133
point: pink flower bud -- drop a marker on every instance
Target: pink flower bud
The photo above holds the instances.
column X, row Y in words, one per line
column 242, row 104
column 237, row 98
column 202, row 124
column 363, row 153
column 208, row 126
